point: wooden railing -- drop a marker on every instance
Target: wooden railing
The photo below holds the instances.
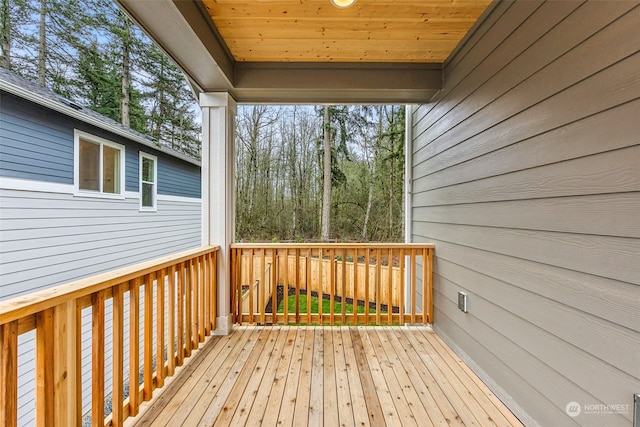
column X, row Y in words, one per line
column 356, row 283
column 169, row 305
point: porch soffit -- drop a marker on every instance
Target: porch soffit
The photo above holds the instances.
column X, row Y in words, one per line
column 307, row 51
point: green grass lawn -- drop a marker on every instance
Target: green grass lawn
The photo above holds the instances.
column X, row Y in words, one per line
column 326, row 306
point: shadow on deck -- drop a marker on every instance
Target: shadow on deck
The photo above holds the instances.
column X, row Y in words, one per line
column 296, row 376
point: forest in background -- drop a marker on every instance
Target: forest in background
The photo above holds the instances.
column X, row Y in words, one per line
column 90, row 52
column 280, row 170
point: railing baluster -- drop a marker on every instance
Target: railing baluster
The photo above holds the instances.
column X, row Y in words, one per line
column 343, row 297
column 285, row 286
column 320, row 284
column 188, row 305
column 9, row 374
column 332, row 289
column 134, row 346
column 201, row 311
column 206, row 295
column 97, row 357
column 261, row 287
column 44, row 368
column 148, row 336
column 181, row 314
column 194, row 309
column 367, row 298
column 355, row 286
column 251, row 287
column 171, row 320
column 401, row 287
column 390, row 286
column 413, row 286
column 296, row 273
column 274, row 285
column 160, row 328
column 118, row 356
column 378, row 285
column 309, row 284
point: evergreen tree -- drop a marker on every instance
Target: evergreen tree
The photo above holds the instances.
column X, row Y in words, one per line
column 89, row 51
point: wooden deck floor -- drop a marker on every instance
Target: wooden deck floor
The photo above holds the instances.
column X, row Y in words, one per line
column 326, row 376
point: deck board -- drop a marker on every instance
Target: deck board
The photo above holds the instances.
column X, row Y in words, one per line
column 347, row 376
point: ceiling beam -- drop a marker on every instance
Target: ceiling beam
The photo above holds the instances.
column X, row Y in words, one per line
column 336, row 82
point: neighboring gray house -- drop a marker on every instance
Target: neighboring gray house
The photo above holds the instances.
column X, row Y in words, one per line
column 81, row 194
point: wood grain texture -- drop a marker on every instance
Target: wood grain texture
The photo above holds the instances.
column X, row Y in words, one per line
column 9, row 373
column 387, row 31
column 352, row 375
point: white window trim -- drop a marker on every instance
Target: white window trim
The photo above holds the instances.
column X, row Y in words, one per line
column 153, row 208
column 77, row 135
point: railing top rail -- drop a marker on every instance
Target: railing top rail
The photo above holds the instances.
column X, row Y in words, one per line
column 35, row 302
column 333, row 245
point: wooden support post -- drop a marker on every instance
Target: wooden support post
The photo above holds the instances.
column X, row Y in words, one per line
column 9, row 374
column 214, row 289
column 430, row 286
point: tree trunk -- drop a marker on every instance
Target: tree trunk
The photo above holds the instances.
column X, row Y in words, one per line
column 326, row 198
column 5, row 36
column 126, row 74
column 367, row 214
column 42, row 44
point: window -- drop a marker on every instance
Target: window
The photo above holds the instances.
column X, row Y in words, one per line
column 148, row 181
column 99, row 166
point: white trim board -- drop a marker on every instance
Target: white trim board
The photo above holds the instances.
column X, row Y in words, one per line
column 19, row 184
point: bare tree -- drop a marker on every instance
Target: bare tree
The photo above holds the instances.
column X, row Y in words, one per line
column 326, row 197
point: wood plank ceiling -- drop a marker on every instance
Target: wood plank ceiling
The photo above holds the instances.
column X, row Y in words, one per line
column 423, row 31
column 308, row 51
